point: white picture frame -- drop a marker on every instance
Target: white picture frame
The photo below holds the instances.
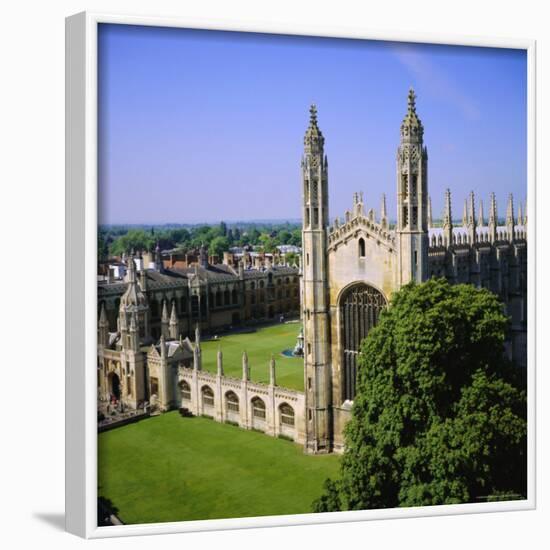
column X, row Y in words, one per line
column 81, row 287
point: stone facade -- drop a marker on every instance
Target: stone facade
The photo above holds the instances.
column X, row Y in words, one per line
column 352, row 267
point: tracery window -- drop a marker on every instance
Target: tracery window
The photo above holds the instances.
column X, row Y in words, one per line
column 185, row 389
column 286, row 414
column 258, row 408
column 360, row 308
column 207, row 396
column 231, row 401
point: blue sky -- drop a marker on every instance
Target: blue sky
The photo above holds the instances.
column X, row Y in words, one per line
column 205, row 125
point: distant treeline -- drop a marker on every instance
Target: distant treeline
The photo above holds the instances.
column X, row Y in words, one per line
column 114, row 240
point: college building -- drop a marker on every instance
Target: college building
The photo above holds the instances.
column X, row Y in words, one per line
column 349, row 269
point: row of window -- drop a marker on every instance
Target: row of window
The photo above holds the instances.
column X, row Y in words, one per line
column 286, row 412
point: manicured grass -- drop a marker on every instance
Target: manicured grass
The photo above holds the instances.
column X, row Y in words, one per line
column 169, row 468
column 259, row 346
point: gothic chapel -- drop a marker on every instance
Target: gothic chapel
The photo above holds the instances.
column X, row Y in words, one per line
column 351, row 268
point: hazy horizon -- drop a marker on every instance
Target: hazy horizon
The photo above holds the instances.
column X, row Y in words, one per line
column 208, row 125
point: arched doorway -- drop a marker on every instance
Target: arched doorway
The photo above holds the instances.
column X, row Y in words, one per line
column 360, row 307
column 114, row 385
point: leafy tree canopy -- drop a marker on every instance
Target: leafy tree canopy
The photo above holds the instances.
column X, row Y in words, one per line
column 135, row 239
column 440, row 415
column 218, row 246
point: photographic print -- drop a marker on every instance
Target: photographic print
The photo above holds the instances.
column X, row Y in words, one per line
column 311, row 274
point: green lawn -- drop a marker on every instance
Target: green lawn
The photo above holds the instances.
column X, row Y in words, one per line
column 169, row 468
column 259, row 346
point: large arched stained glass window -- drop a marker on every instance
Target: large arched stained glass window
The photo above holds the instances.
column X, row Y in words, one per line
column 360, row 307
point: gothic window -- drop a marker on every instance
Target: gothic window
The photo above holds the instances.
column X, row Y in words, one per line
column 183, row 304
column 414, row 185
column 360, row 307
column 315, row 216
column 362, row 253
column 405, row 216
column 258, row 408
column 226, row 297
column 307, row 216
column 234, row 297
column 405, row 185
column 286, row 414
column 415, row 216
column 207, row 396
column 185, row 390
column 306, row 191
column 314, row 191
column 252, row 285
column 231, row 401
column 262, row 284
column 219, row 298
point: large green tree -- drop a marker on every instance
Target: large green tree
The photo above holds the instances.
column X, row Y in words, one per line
column 439, row 415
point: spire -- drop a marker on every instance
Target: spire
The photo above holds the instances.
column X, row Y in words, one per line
column 313, row 140
column 197, row 359
column 520, row 214
column 471, row 209
column 411, row 127
column 383, row 212
column 272, row 379
column 430, row 225
column 173, row 323
column 162, row 346
column 493, row 219
column 510, row 222
column 103, row 326
column 480, row 220
column 472, row 234
column 197, row 336
column 510, row 210
column 448, row 219
column 164, row 320
column 219, row 361
column 103, row 317
column 246, row 368
column 465, row 214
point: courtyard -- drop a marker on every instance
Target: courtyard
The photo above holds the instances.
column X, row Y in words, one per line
column 259, row 346
column 169, row 468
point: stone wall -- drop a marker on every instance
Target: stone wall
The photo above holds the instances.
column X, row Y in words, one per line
column 268, row 408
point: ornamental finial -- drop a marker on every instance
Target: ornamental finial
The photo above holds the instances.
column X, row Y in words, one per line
column 313, row 114
column 412, row 100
